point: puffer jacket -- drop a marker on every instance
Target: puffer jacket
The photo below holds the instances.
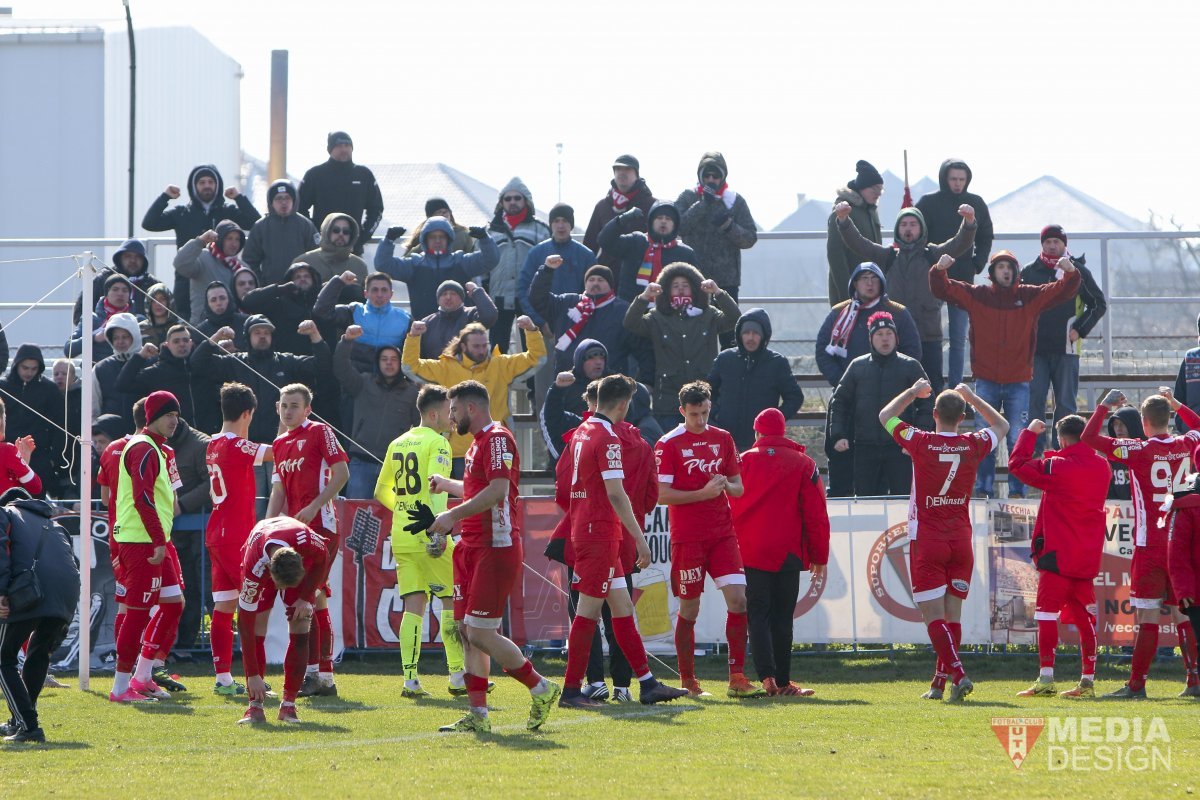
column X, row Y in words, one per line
column 629, row 249
column 865, row 218
column 23, row 525
column 869, row 384
column 513, row 246
column 606, row 323
column 423, row 272
column 684, row 344
column 141, row 376
column 718, row 252
column 275, row 241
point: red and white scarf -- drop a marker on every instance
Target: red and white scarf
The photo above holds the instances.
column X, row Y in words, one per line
column 232, row 262
column 1052, row 263
column 652, row 261
column 579, row 316
column 844, row 326
column 620, row 202
column 683, row 302
column 727, row 196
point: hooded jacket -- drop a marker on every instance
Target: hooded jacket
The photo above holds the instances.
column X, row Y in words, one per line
column 832, row 366
column 684, row 344
column 194, row 261
column 865, row 218
column 141, row 376
column 329, row 260
column 781, row 520
column 286, row 305
column 497, row 372
column 718, row 252
column 23, row 525
column 604, row 212
column 1120, row 487
column 342, row 186
column 191, row 450
column 513, row 246
column 193, row 218
column 940, row 209
column 1003, row 320
column 565, row 406
column 607, row 323
column 41, row 395
column 275, row 242
column 907, row 266
column 566, row 279
column 869, row 383
column 1079, row 313
column 106, row 397
column 383, row 409
column 745, row 383
column 1187, row 385
column 629, row 249
column 154, row 331
column 232, row 318
column 461, row 240
column 441, row 327
column 73, row 348
column 142, row 279
column 423, row 272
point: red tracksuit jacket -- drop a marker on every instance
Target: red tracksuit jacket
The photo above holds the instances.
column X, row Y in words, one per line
column 782, row 511
column 1068, row 538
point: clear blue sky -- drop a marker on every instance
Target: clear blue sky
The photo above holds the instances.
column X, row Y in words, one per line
column 1100, row 94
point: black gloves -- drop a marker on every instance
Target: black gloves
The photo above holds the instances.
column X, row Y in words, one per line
column 632, row 218
column 477, row 232
column 498, row 224
column 720, row 216
column 395, row 232
column 420, row 518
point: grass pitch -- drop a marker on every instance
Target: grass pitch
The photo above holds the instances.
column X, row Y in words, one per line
column 865, row 734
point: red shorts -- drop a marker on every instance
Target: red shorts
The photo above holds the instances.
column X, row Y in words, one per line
column 144, row 582
column 269, row 592
column 225, row 563
column 691, row 561
column 483, row 579
column 596, row 564
column 1056, row 593
column 938, row 566
column 1150, row 585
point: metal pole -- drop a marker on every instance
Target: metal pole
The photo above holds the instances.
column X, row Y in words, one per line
column 559, row 148
column 86, row 548
column 132, row 116
column 1106, row 287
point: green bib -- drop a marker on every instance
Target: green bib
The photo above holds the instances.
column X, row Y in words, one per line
column 129, row 527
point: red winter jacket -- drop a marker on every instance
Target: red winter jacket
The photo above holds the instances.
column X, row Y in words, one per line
column 782, row 511
column 1068, row 538
column 1003, row 321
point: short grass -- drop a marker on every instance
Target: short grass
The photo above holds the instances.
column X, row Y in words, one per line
column 865, row 734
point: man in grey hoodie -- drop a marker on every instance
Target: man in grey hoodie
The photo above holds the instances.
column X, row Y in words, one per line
column 280, row 236
column 516, row 231
column 125, row 335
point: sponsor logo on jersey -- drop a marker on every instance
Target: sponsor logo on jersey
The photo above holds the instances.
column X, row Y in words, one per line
column 290, row 465
column 716, row 449
column 700, row 465
column 613, row 451
column 300, row 445
column 580, row 494
column 958, row 584
column 938, row 501
column 687, row 453
column 907, row 434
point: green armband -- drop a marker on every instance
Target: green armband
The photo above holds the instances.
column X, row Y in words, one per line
column 890, row 425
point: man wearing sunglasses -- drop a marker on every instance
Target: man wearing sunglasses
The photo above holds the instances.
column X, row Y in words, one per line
column 334, row 254
column 515, row 231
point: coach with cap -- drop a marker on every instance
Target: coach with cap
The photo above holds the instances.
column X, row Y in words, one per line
column 340, row 185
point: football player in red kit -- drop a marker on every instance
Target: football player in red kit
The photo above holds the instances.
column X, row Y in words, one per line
column 281, row 554
column 488, row 558
column 601, row 516
column 698, row 465
column 940, row 554
column 106, row 479
column 231, row 459
column 1159, row 464
column 310, row 469
column 1068, row 541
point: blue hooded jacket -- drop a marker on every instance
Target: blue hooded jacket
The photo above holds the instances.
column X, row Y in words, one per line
column 424, row 272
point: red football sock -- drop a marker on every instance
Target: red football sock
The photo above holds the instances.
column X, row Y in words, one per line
column 161, row 634
column 118, row 621
column 314, row 643
column 1047, row 641
column 529, row 676
column 325, row 643
column 129, row 645
column 940, row 673
column 293, row 665
column 685, row 647
column 1145, row 645
column 956, row 632
column 260, row 649
column 1187, row 646
column 579, row 647
column 943, row 644
column 630, row 641
column 220, row 635
column 476, row 690
column 735, row 632
column 1086, row 623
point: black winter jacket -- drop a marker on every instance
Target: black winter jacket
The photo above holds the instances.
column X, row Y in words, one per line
column 141, row 376
column 23, row 524
column 43, row 396
column 940, row 210
column 345, row 187
column 1081, row 312
column 869, row 384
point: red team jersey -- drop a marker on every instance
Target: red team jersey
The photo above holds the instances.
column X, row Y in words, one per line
column 256, row 579
column 944, row 467
column 492, row 454
column 15, row 472
column 596, row 457
column 686, row 461
column 231, row 461
column 303, row 458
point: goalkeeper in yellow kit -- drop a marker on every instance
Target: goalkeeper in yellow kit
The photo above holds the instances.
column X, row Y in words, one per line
column 424, row 563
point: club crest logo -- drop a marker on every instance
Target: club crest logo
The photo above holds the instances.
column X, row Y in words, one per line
column 1018, row 735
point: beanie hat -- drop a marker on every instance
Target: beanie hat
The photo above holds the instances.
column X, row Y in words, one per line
column 880, row 320
column 1054, row 232
column 111, row 425
column 866, row 176
column 562, row 210
column 452, row 286
column 628, row 161
column 336, row 138
column 254, row 321
column 753, row 325
column 279, row 187
column 160, row 403
column 770, row 422
column 114, row 279
column 603, row 272
column 434, row 205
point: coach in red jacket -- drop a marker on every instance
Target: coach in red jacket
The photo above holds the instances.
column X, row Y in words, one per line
column 1004, row 316
column 782, row 529
column 1068, row 541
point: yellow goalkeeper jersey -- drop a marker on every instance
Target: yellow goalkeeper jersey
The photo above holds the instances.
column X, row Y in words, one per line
column 404, row 479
